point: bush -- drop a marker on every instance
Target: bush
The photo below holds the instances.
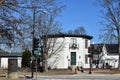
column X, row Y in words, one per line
column 26, row 58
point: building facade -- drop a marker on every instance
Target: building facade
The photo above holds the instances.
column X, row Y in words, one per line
column 74, row 51
column 105, row 55
column 12, row 59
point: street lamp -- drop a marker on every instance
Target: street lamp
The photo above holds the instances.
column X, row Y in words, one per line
column 90, row 60
column 90, row 71
column 32, row 65
column 91, row 51
column 33, row 38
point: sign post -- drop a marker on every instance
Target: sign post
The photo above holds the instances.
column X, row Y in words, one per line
column 36, row 52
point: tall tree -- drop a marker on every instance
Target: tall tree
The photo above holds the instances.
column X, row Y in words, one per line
column 12, row 21
column 7, row 9
column 43, row 22
column 48, row 25
column 79, row 31
column 111, row 21
column 24, row 17
column 18, row 16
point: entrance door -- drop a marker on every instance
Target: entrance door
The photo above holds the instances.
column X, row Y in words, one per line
column 12, row 65
column 73, row 58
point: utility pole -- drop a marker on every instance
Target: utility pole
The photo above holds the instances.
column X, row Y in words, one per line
column 90, row 59
column 32, row 71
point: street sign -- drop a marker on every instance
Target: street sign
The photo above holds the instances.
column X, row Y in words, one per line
column 36, row 52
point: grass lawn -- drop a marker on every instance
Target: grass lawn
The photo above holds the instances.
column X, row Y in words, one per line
column 51, row 72
column 61, row 72
column 107, row 71
column 11, row 79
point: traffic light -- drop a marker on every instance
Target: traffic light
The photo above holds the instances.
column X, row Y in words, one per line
column 35, row 43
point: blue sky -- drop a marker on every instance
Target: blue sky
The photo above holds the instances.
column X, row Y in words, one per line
column 81, row 13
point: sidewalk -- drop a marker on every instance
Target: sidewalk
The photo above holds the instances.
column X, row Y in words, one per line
column 93, row 73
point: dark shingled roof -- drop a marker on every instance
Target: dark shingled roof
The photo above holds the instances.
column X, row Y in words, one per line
column 11, row 55
column 69, row 35
column 112, row 49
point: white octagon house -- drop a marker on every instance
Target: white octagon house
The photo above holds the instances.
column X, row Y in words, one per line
column 74, row 51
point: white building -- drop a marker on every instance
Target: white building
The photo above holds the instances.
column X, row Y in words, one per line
column 73, row 51
column 110, row 55
column 67, row 50
column 13, row 59
column 107, row 55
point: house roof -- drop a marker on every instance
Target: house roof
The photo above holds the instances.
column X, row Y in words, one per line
column 112, row 49
column 69, row 35
column 7, row 54
column 11, row 55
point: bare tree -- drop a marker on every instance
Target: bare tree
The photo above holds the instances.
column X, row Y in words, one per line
column 70, row 32
column 79, row 31
column 43, row 22
column 48, row 25
column 13, row 20
column 52, row 45
column 111, row 21
column 7, row 9
column 16, row 15
column 21, row 16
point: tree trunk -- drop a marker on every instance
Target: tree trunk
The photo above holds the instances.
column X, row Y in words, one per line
column 45, row 56
column 46, row 66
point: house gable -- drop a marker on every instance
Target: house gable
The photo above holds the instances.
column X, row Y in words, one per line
column 112, row 49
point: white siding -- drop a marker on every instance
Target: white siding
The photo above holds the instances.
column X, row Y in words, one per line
column 4, row 62
column 65, row 54
column 19, row 62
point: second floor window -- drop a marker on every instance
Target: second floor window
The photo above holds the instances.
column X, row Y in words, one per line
column 86, row 59
column 73, row 41
column 86, row 43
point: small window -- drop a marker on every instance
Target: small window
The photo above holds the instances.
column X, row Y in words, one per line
column 86, row 59
column 73, row 41
column 86, row 43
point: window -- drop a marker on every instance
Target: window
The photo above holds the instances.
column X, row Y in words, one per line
column 73, row 41
column 86, row 59
column 86, row 43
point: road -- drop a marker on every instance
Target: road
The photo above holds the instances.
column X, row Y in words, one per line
column 78, row 77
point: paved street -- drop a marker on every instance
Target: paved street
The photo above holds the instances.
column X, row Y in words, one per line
column 78, row 77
